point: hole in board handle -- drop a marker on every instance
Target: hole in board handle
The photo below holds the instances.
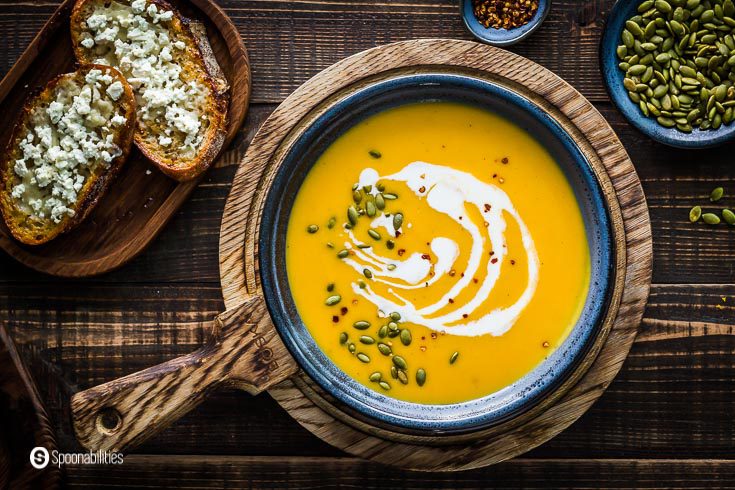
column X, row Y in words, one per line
column 108, row 421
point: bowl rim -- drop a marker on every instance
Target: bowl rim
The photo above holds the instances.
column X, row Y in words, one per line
column 275, row 292
column 612, row 78
column 502, row 37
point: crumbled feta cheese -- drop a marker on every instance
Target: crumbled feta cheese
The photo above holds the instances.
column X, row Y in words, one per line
column 138, row 6
column 117, row 120
column 20, row 168
column 142, row 50
column 87, row 42
column 115, row 90
column 55, row 110
column 164, row 140
column 108, row 34
column 97, row 21
column 69, row 134
column 18, row 191
column 44, row 175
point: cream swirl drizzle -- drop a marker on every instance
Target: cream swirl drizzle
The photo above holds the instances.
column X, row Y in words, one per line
column 447, row 191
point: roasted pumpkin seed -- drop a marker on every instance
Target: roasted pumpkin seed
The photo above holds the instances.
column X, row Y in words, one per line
column 728, row 216
column 695, row 213
column 400, row 362
column 420, row 376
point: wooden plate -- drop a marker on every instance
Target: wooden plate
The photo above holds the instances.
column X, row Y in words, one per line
column 142, row 199
column 244, row 350
column 313, row 407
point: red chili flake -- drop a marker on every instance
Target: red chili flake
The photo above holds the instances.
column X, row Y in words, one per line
column 432, row 273
column 423, row 337
column 451, row 301
column 465, row 315
column 401, row 251
column 460, row 217
column 512, row 262
column 475, row 280
column 335, row 319
column 487, row 208
column 494, row 260
column 343, row 310
column 504, row 160
column 398, row 233
column 492, row 252
column 422, row 189
column 452, row 273
column 461, row 274
column 504, row 14
column 426, row 284
column 495, row 175
column 433, row 335
column 426, row 256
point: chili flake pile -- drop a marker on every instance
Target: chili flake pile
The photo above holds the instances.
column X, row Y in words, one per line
column 504, row 14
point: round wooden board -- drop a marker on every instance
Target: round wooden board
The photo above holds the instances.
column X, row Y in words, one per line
column 315, row 409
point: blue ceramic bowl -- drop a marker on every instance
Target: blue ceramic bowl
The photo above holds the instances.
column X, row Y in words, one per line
column 613, row 76
column 309, row 145
column 502, row 37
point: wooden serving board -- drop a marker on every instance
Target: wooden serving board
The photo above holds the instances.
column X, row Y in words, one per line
column 141, row 200
column 318, row 411
column 244, row 350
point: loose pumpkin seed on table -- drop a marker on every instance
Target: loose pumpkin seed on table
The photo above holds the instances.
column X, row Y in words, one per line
column 711, row 219
column 728, row 216
column 678, row 57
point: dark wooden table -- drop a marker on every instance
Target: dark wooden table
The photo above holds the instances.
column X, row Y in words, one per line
column 668, row 420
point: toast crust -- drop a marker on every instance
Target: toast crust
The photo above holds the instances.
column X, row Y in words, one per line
column 29, row 229
column 198, row 55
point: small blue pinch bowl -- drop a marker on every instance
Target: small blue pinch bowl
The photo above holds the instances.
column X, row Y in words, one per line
column 613, row 77
column 502, row 37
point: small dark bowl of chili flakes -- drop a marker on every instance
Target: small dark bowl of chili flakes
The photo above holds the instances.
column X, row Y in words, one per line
column 503, row 22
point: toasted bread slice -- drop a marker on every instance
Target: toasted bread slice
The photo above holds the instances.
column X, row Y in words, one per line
column 181, row 93
column 69, row 143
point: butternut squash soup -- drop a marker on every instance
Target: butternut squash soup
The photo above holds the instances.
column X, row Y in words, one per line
column 437, row 253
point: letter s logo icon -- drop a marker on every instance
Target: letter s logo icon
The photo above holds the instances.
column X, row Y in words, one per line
column 39, row 457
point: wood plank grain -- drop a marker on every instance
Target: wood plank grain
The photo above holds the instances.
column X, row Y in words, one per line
column 673, row 397
column 291, row 41
column 198, row 472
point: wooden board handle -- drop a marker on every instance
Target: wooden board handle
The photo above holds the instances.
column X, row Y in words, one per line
column 244, row 350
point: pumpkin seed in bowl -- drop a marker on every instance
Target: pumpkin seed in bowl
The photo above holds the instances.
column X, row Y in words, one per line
column 679, row 60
